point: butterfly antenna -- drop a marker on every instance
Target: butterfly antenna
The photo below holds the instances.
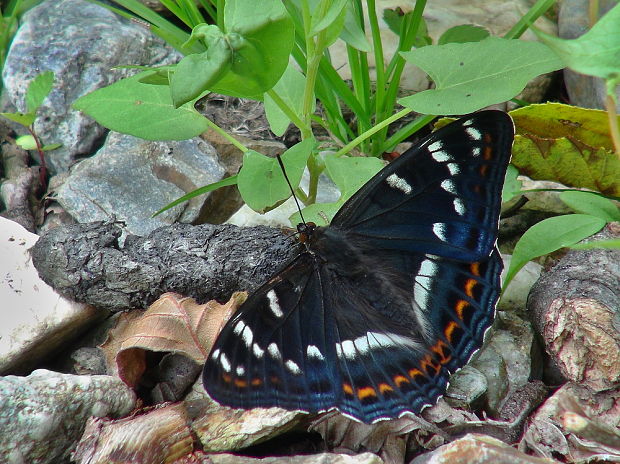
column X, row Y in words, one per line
column 291, row 187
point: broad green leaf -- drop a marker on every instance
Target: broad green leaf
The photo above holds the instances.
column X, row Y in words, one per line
column 331, row 16
column 25, row 119
column 146, row 111
column 261, row 37
column 592, row 204
column 51, row 146
column 555, row 120
column 290, row 88
column 551, row 235
column 462, row 34
column 232, row 180
column 197, row 73
column 394, row 19
column 473, row 75
column 597, row 52
column 350, row 173
column 334, row 30
column 353, row 34
column 563, row 160
column 38, row 89
column 261, row 181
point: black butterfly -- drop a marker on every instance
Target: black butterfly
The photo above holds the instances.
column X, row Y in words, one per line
column 379, row 309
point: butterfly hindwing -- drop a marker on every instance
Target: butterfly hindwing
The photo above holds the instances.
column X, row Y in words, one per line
column 380, row 308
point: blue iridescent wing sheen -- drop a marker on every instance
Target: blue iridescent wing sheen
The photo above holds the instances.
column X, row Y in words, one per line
column 442, row 196
column 383, row 305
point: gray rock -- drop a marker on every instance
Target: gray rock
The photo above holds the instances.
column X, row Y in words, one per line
column 467, row 388
column 129, row 179
column 42, row 416
column 80, row 42
column 493, row 367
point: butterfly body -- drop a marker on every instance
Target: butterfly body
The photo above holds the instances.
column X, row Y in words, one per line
column 378, row 309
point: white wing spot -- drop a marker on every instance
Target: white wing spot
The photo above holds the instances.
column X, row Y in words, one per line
column 225, row 362
column 441, row 156
column 292, row 367
column 238, row 328
column 274, row 304
column 449, row 186
column 258, row 351
column 439, row 229
column 274, row 351
column 423, row 281
column 459, row 206
column 475, row 151
column 240, row 370
column 473, row 133
column 313, row 352
column 435, row 146
column 453, row 168
column 398, row 183
column 350, row 349
column 215, row 354
column 467, row 123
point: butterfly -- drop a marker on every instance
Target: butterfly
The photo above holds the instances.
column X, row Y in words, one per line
column 379, row 308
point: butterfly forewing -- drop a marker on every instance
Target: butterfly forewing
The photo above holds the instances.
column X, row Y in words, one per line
column 442, row 196
column 384, row 305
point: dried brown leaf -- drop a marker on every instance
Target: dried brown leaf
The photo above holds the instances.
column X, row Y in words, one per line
column 171, row 324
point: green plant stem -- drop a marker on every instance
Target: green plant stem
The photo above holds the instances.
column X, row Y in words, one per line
column 288, row 111
column 227, row 136
column 43, row 171
column 360, row 138
column 377, row 46
column 610, row 104
column 535, row 12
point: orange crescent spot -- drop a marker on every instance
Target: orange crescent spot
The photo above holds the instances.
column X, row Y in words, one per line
column 256, row 382
column 348, row 390
column 400, row 379
column 450, row 328
column 227, row 378
column 275, row 379
column 427, row 362
column 475, row 269
column 241, row 383
column 483, row 170
column 385, row 388
column 365, row 392
column 461, row 305
column 469, row 287
column 415, row 372
column 440, row 348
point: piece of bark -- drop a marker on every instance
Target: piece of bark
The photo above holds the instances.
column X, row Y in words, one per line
column 85, row 262
column 575, row 309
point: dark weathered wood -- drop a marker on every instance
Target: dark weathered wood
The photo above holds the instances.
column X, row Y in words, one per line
column 85, row 262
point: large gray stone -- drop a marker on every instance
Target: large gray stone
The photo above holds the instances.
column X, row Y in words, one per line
column 129, row 179
column 80, row 42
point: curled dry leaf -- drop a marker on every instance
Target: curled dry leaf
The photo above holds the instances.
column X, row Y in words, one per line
column 171, row 324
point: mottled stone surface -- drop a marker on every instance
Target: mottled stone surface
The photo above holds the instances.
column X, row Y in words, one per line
column 80, row 42
column 42, row 416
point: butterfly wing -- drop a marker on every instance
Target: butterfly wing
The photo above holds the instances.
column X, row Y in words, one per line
column 441, row 197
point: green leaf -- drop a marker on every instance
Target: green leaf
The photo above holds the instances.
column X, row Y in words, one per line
column 261, row 181
column 592, row 204
column 51, row 146
column 350, row 173
column 473, row 75
column 197, row 73
column 38, row 89
column 232, row 180
column 142, row 110
column 462, row 34
column 512, row 185
column 25, row 119
column 290, row 88
column 551, row 235
column 26, row 142
column 595, row 53
column 331, row 16
column 261, row 37
column 319, row 213
column 353, row 34
column 611, row 244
